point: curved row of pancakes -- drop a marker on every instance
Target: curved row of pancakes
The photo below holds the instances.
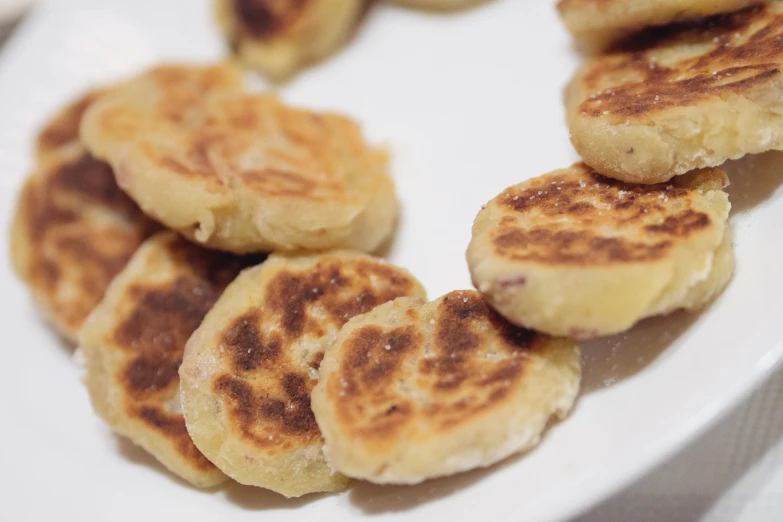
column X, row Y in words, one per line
column 280, row 37
column 218, row 384
column 309, row 369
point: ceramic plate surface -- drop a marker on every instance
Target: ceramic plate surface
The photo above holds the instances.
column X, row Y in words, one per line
column 469, row 103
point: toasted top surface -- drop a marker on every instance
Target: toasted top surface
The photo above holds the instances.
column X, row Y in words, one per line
column 247, row 159
column 682, row 65
column 227, row 140
column 588, row 17
column 577, row 217
column 137, row 336
column 62, row 131
column 272, row 349
column 74, row 231
column 414, row 390
column 266, row 19
column 466, row 357
column 257, row 353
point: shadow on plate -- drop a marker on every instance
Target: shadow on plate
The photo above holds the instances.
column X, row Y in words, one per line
column 754, row 179
column 613, row 359
column 375, row 499
column 458, row 8
column 258, row 499
column 246, row 497
column 138, row 456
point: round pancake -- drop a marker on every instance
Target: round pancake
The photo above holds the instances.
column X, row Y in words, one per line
column 72, row 232
column 279, row 37
column 133, row 343
column 416, row 390
column 574, row 253
column 597, row 23
column 249, row 173
column 249, row 368
column 682, row 97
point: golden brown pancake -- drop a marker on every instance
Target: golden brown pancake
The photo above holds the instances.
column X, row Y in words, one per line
column 249, row 173
column 577, row 254
column 74, row 229
column 597, row 23
column 682, row 97
column 249, row 368
column 134, row 340
column 416, row 390
column 279, row 37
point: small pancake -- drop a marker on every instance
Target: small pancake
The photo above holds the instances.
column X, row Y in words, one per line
column 682, row 97
column 279, row 37
column 574, row 253
column 416, row 390
column 134, row 340
column 597, row 23
column 249, row 173
column 249, row 369
column 74, row 229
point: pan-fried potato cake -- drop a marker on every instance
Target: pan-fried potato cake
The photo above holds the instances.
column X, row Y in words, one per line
column 596, row 24
column 574, row 253
column 249, row 368
column 682, row 97
column 242, row 172
column 416, row 390
column 134, row 340
column 279, row 37
column 74, row 229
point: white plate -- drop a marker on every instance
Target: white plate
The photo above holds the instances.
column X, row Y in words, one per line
column 470, row 103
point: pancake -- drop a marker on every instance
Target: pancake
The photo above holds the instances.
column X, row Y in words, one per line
column 682, row 97
column 279, row 37
column 597, row 23
column 416, row 390
column 249, row 368
column 73, row 229
column 250, row 174
column 134, row 340
column 576, row 254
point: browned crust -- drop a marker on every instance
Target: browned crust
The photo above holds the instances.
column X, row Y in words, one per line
column 153, row 335
column 267, row 19
column 745, row 52
column 575, row 206
column 372, row 390
column 66, row 245
column 267, row 388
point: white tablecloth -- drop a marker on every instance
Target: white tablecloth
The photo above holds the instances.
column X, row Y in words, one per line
column 732, row 473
